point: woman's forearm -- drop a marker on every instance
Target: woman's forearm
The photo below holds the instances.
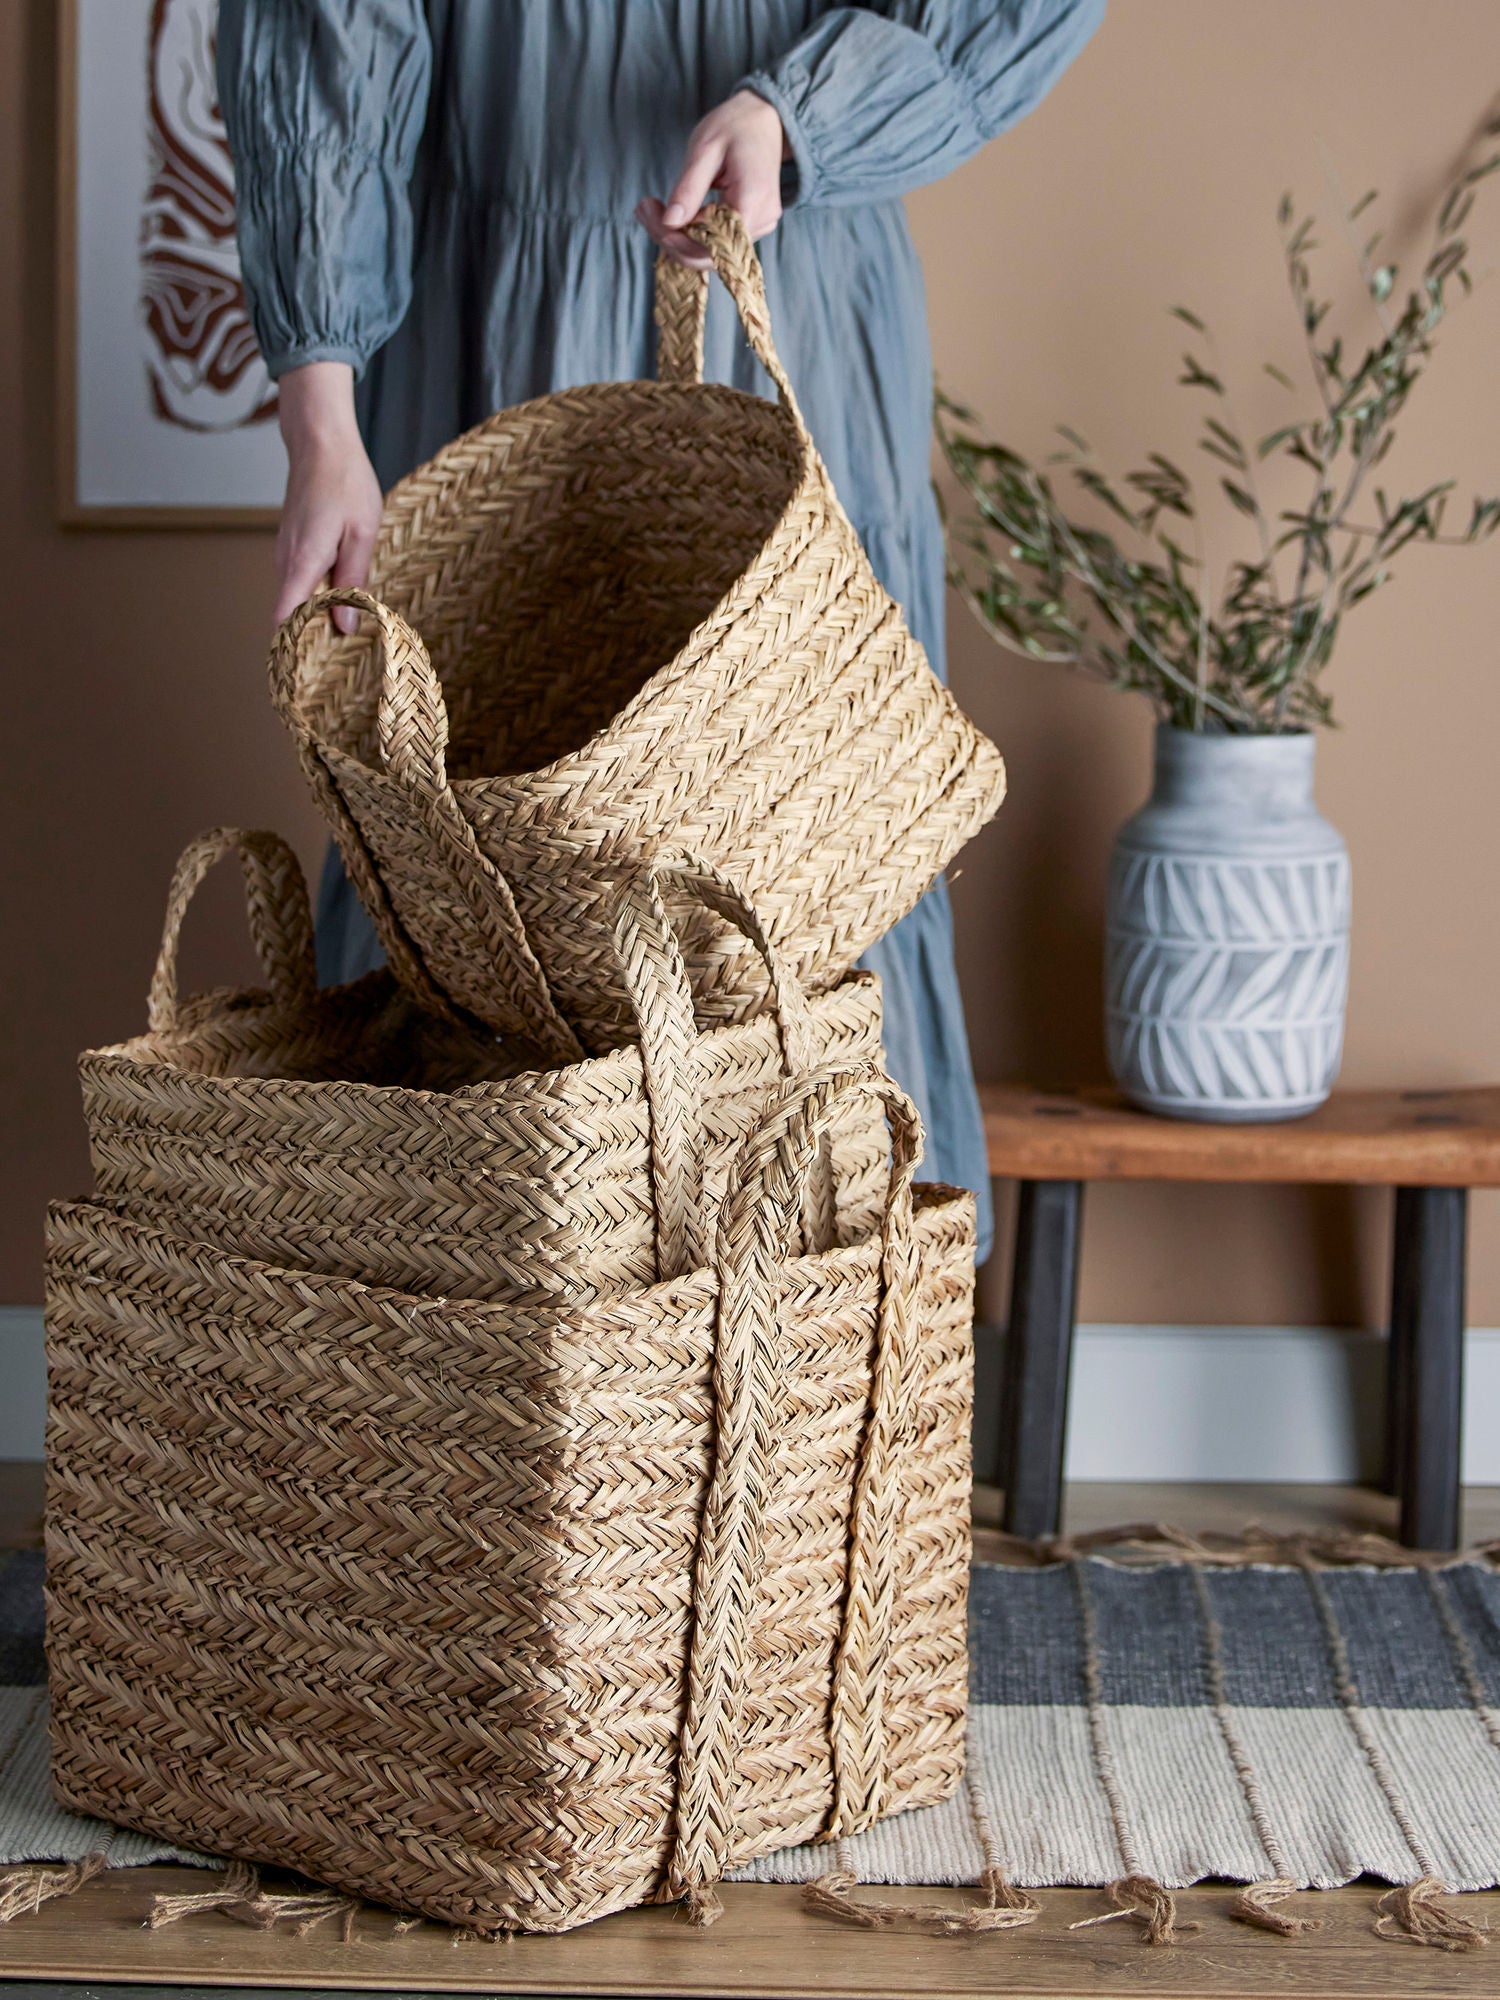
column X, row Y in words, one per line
column 332, row 509
column 317, row 405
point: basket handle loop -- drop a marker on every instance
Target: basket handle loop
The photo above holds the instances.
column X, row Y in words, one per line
column 649, row 951
column 412, row 717
column 412, row 724
column 754, row 1230
column 280, row 918
column 682, row 304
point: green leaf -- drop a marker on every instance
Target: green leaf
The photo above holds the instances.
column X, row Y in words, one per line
column 1226, row 437
column 1189, row 318
column 1272, row 439
column 1382, row 278
column 1241, row 499
column 1234, row 460
column 1196, row 376
column 1278, row 375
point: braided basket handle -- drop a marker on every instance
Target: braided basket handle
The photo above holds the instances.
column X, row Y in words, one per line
column 649, row 951
column 412, row 724
column 754, row 1230
column 280, row 918
column 412, row 719
column 682, row 305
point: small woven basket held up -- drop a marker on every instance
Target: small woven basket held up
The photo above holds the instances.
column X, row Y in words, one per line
column 516, row 1616
column 644, row 620
column 344, row 1131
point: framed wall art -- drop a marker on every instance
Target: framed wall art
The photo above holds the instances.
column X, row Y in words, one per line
column 167, row 415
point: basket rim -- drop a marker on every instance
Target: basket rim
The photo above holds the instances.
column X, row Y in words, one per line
column 933, row 1204
column 624, row 1063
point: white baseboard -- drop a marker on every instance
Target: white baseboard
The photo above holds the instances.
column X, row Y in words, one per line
column 1289, row 1404
column 23, row 1382
column 1300, row 1405
column 1293, row 1404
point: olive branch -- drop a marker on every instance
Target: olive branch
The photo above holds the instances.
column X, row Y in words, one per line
column 1051, row 587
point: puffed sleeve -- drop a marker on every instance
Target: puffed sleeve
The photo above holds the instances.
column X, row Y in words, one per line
column 879, row 99
column 324, row 101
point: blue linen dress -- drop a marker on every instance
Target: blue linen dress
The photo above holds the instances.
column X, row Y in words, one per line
column 440, row 192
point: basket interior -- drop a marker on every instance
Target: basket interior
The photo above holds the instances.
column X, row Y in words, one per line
column 557, row 556
column 369, row 1032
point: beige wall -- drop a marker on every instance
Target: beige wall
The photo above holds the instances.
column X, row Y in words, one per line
column 135, row 709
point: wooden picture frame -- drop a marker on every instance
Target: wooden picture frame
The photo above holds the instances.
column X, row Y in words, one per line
column 122, row 461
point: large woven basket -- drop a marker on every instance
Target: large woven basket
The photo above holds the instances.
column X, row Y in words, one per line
column 346, row 1132
column 644, row 619
column 516, row 1616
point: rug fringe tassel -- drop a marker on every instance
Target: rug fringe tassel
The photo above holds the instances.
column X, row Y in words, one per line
column 701, row 1902
column 1005, row 1907
column 241, row 1897
column 1413, row 1913
column 29, row 1884
column 1257, row 1904
column 1143, row 1899
column 1153, row 1540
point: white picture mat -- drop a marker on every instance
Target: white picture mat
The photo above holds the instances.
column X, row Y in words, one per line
column 126, row 455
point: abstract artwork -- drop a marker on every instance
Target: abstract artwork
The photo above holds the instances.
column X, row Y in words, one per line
column 206, row 371
column 167, row 409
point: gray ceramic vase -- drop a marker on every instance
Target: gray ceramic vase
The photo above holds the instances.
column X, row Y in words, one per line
column 1227, row 956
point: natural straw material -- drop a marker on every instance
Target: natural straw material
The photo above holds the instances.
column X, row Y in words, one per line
column 342, row 1131
column 620, row 617
column 517, row 1615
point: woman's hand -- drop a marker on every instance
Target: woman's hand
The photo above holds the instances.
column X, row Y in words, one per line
column 738, row 149
column 333, row 502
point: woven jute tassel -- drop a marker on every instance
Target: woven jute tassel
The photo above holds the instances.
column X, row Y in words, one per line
column 1258, row 1904
column 27, row 1886
column 1005, row 1908
column 240, row 1896
column 1143, row 1899
column 701, row 1905
column 1414, row 1913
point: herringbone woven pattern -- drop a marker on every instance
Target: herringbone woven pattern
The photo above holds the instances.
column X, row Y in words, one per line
column 650, row 623
column 517, row 1615
column 347, row 1133
column 1226, row 980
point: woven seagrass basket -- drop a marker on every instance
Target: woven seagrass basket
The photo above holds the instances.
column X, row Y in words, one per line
column 650, row 623
column 346, row 1132
column 515, row 1616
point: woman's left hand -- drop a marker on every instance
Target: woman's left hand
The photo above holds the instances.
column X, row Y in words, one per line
column 737, row 149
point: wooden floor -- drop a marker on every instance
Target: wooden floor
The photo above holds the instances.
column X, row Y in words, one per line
column 766, row 1944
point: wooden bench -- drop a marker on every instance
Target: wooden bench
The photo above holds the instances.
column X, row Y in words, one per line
column 1430, row 1146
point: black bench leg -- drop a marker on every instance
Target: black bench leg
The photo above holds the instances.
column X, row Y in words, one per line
column 1399, row 1349
column 1038, row 1351
column 1426, row 1362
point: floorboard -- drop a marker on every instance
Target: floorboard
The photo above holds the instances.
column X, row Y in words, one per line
column 764, row 1945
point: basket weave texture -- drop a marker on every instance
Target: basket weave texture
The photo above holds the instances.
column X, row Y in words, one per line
column 344, row 1131
column 517, row 1615
column 645, row 621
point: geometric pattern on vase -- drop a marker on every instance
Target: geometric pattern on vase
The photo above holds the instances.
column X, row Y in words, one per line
column 1226, row 979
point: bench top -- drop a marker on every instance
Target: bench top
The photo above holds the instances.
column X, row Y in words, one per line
column 1383, row 1138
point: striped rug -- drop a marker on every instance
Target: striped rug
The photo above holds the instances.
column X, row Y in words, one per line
column 1180, row 1720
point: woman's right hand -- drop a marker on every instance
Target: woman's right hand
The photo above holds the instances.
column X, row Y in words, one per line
column 333, row 501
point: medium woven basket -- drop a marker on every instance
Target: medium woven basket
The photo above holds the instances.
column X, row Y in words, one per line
column 345, row 1132
column 644, row 620
column 515, row 1616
